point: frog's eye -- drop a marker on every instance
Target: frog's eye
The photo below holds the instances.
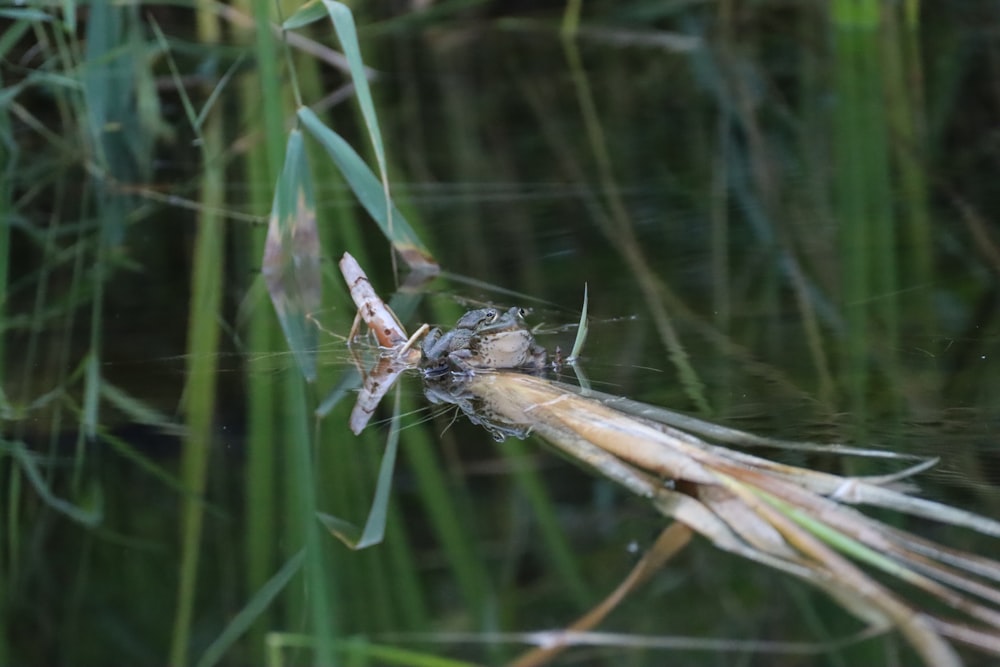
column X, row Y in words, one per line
column 491, row 314
column 522, row 312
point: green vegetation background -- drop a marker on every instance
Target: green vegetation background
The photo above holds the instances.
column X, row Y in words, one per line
column 792, row 199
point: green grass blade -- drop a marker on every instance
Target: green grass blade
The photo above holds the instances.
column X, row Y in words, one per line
column 137, row 410
column 369, row 192
column 320, row 598
column 193, row 118
column 291, row 264
column 13, row 34
column 253, row 609
column 347, row 33
column 405, row 240
column 581, row 332
column 441, row 503
column 91, row 395
column 307, row 13
column 202, row 376
column 69, row 15
column 374, row 529
column 262, row 92
column 360, row 652
column 25, row 15
column 78, row 513
column 145, row 464
column 553, row 537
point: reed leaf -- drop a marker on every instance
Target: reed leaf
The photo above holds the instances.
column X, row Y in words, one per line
column 254, row 608
column 581, row 331
column 291, row 264
column 374, row 528
column 369, row 192
column 373, row 192
column 89, row 513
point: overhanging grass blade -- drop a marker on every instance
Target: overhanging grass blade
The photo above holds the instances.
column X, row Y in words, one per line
column 291, row 264
column 25, row 15
column 347, row 33
column 14, row 32
column 350, row 381
column 139, row 411
column 253, row 609
column 91, row 394
column 581, row 331
column 374, row 529
column 85, row 516
column 369, row 192
column 359, row 651
column 128, row 452
column 307, row 13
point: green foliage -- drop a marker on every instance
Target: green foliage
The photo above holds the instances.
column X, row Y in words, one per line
column 782, row 210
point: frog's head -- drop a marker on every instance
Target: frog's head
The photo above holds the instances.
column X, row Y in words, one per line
column 476, row 318
column 497, row 321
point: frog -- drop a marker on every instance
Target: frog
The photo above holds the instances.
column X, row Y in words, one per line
column 504, row 342
column 438, row 346
column 484, row 338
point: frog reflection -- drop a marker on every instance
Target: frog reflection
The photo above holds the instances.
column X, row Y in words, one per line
column 453, row 389
column 483, row 338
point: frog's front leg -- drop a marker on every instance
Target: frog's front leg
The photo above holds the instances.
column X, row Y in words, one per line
column 460, row 361
column 432, row 346
column 538, row 357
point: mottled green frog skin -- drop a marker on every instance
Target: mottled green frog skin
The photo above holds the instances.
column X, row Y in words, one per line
column 484, row 338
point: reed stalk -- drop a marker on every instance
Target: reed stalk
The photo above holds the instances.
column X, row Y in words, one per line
column 864, row 208
column 203, row 349
column 263, row 164
column 8, row 545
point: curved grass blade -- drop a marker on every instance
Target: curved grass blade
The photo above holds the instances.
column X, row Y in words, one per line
column 91, row 396
column 370, row 193
column 86, row 516
column 306, row 14
column 139, row 411
column 670, row 542
column 581, row 332
column 389, row 218
column 291, row 265
column 359, row 651
column 347, row 34
column 253, row 609
column 374, row 529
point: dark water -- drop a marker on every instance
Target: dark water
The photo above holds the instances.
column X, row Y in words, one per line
column 784, row 226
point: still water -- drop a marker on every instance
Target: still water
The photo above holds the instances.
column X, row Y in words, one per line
column 783, row 226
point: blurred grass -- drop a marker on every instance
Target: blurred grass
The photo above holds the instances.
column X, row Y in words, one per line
column 758, row 145
column 263, row 107
column 202, row 357
column 864, row 205
column 8, row 546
